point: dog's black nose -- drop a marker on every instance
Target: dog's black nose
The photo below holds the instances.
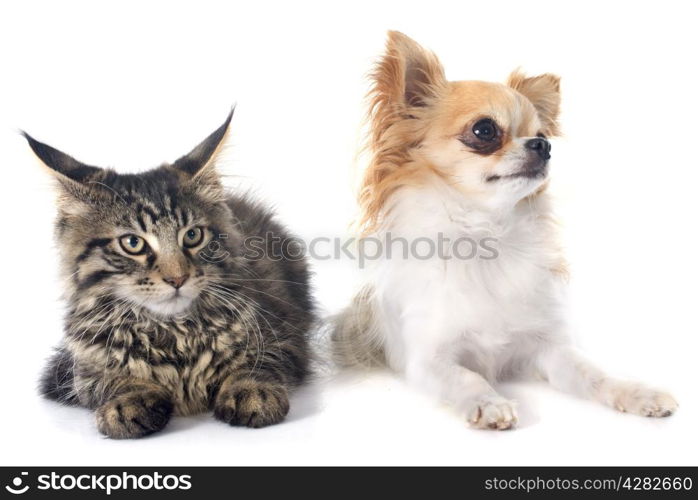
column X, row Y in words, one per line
column 540, row 146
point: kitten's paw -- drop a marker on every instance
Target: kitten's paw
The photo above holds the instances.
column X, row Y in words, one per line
column 252, row 404
column 641, row 400
column 133, row 415
column 492, row 412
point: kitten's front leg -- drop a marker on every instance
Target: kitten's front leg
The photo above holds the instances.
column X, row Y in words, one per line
column 251, row 400
column 566, row 370
column 133, row 408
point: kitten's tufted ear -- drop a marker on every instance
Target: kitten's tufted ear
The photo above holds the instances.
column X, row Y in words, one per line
column 77, row 179
column 197, row 168
column 203, row 155
column 544, row 93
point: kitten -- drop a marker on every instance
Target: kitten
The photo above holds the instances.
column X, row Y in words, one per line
column 177, row 301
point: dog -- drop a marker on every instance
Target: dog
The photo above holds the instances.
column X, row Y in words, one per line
column 455, row 162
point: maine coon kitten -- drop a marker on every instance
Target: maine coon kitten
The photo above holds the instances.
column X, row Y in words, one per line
column 178, row 300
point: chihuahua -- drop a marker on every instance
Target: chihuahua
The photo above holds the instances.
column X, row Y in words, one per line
column 467, row 162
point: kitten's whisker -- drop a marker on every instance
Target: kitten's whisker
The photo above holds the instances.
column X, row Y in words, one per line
column 228, row 278
column 261, row 312
column 242, row 319
column 110, row 343
column 247, row 297
column 270, row 295
column 257, row 330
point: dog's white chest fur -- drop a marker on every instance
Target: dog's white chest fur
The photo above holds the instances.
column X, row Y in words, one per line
column 486, row 297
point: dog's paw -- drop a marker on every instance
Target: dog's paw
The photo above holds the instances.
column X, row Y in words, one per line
column 252, row 404
column 492, row 412
column 641, row 400
column 133, row 415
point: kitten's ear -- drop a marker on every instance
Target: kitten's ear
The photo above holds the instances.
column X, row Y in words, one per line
column 203, row 156
column 544, row 93
column 76, row 178
column 197, row 168
column 407, row 75
column 65, row 166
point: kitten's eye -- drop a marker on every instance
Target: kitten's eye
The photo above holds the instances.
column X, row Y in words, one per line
column 193, row 237
column 485, row 129
column 132, row 244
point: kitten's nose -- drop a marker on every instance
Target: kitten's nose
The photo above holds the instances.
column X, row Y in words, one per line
column 540, row 146
column 177, row 281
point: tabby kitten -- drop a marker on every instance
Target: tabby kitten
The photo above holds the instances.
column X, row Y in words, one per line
column 178, row 302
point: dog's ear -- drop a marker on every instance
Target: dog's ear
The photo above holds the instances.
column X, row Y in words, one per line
column 544, row 93
column 407, row 75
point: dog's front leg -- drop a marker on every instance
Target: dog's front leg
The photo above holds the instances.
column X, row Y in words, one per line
column 466, row 389
column 568, row 371
column 433, row 367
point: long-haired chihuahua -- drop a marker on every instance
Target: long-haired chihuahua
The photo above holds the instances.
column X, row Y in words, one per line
column 475, row 292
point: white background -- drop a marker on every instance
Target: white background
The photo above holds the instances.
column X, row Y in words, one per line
column 130, row 85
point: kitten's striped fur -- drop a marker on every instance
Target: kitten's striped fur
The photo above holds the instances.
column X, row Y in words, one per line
column 237, row 347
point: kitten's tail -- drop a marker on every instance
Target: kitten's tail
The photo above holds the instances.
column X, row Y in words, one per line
column 355, row 337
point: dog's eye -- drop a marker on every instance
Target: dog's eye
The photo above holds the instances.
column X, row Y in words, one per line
column 132, row 244
column 485, row 130
column 193, row 237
